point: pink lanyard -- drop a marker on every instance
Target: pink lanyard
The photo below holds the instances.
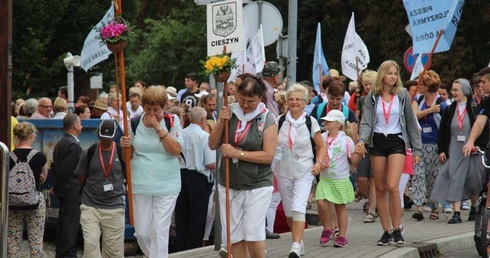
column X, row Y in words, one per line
column 327, row 145
column 239, row 136
column 386, row 114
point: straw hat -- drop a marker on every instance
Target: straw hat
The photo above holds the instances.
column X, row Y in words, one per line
column 100, row 104
column 335, row 74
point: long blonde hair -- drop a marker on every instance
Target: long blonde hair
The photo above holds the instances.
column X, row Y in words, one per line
column 382, row 71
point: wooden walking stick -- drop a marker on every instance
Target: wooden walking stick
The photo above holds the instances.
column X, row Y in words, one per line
column 119, row 58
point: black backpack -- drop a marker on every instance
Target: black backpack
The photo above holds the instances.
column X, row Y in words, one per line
column 308, row 125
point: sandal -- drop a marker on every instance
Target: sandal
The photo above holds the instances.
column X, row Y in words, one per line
column 434, row 215
column 370, row 218
column 336, row 233
column 365, row 208
column 418, row 215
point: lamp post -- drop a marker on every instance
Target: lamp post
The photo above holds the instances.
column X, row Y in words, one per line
column 70, row 62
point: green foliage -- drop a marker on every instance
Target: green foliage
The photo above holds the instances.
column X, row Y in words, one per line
column 169, row 48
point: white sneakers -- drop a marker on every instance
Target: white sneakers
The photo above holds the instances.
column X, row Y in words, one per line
column 297, row 250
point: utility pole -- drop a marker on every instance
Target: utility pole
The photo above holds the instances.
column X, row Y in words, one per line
column 292, row 38
column 5, row 69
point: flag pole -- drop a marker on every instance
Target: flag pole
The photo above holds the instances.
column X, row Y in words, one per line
column 127, row 152
column 426, row 66
column 357, row 69
column 227, row 171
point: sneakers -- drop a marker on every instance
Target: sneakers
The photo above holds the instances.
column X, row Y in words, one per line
column 340, row 242
column 465, row 206
column 455, row 219
column 325, row 238
column 472, row 215
column 446, row 208
column 385, row 239
column 427, row 207
column 297, row 250
column 418, row 215
column 223, row 253
column 397, row 237
column 402, row 230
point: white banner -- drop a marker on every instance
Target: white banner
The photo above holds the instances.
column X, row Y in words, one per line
column 224, row 27
column 93, row 51
column 258, row 50
column 354, row 49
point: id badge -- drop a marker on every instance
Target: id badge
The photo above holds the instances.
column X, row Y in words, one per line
column 427, row 129
column 235, row 160
column 108, row 187
column 461, row 138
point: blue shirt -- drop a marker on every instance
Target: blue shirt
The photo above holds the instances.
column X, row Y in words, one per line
column 154, row 171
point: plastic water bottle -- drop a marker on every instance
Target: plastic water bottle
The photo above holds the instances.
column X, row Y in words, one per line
column 278, row 155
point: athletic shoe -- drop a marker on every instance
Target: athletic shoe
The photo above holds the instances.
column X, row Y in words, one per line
column 472, row 215
column 340, row 242
column 325, row 238
column 397, row 237
column 465, row 206
column 295, row 251
column 385, row 239
column 302, row 250
column 418, row 215
column 223, row 253
column 455, row 219
column 427, row 207
column 271, row 235
column 446, row 208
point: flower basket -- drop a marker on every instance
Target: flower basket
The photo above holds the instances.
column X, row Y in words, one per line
column 223, row 76
column 219, row 66
column 115, row 34
column 117, row 47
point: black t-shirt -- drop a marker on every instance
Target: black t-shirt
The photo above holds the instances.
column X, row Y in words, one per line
column 36, row 164
column 485, row 107
column 190, row 99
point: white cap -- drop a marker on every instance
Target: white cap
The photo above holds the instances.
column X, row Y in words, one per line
column 335, row 115
column 202, row 93
column 170, row 96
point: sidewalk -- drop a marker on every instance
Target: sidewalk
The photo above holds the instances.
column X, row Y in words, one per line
column 362, row 237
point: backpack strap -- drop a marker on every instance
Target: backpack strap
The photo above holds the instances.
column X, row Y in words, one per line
column 320, row 109
column 168, row 117
column 281, row 121
column 135, row 121
column 31, row 155
column 13, row 156
column 345, row 110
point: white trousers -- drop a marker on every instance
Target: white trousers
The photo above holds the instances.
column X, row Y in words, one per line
column 295, row 193
column 401, row 187
column 271, row 211
column 152, row 218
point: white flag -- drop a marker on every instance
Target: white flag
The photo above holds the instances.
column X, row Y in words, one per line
column 258, row 50
column 417, row 68
column 244, row 60
column 354, row 49
column 93, row 51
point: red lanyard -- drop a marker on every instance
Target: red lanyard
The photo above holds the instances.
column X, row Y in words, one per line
column 111, row 159
column 328, row 109
column 239, row 136
column 460, row 118
column 385, row 113
column 327, row 145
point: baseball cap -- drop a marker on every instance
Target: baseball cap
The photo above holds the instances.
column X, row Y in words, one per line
column 335, row 115
column 107, row 129
column 172, row 91
column 271, row 69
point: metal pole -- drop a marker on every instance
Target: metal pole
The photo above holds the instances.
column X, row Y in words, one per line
column 217, row 218
column 5, row 69
column 292, row 37
column 4, row 199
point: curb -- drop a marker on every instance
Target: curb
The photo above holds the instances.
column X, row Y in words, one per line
column 445, row 246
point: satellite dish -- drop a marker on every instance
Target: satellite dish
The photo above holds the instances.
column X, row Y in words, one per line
column 271, row 20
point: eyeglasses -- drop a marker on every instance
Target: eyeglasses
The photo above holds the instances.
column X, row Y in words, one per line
column 296, row 100
column 248, row 102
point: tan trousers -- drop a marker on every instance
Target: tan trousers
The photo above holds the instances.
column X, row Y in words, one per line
column 108, row 223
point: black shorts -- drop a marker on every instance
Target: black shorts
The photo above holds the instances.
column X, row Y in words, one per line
column 387, row 145
column 364, row 167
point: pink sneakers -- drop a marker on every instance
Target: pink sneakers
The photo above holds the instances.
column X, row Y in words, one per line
column 340, row 242
column 325, row 238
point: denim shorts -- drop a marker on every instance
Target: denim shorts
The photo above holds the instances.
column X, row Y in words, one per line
column 387, row 145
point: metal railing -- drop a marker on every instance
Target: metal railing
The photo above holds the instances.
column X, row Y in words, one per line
column 4, row 170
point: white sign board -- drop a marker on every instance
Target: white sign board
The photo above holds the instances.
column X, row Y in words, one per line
column 96, row 82
column 224, row 27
